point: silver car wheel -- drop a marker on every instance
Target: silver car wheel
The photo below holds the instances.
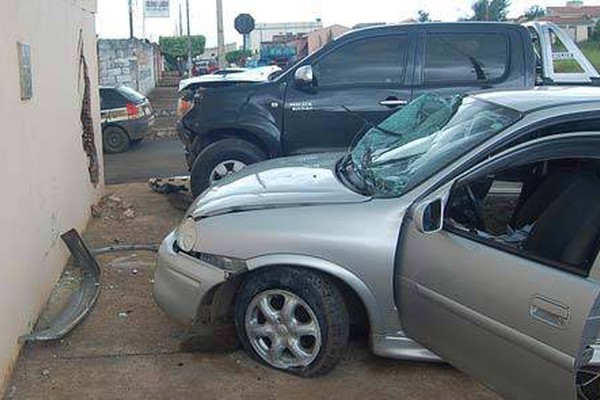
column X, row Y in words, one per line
column 225, row 168
column 283, row 329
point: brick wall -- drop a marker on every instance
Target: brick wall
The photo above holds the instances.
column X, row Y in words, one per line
column 130, row 62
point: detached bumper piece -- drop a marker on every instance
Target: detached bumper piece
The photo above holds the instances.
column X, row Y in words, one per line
column 81, row 301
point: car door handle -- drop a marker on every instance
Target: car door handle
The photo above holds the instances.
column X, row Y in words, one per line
column 549, row 311
column 393, row 102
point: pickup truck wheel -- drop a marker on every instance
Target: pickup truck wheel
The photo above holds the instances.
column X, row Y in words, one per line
column 220, row 160
column 293, row 320
column 115, row 139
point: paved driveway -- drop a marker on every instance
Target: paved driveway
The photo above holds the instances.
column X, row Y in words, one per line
column 148, row 159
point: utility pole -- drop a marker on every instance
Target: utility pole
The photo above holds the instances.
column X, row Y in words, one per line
column 130, row 19
column 189, row 38
column 220, row 34
column 180, row 21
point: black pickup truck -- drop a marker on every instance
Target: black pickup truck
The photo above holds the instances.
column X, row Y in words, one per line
column 322, row 102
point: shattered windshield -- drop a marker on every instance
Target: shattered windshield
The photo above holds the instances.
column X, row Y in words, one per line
column 422, row 138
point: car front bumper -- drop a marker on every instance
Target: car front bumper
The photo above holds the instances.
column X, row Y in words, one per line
column 181, row 282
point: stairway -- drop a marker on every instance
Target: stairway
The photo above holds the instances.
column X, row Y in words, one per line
column 163, row 99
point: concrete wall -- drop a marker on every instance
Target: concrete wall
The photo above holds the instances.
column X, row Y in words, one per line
column 46, row 187
column 128, row 62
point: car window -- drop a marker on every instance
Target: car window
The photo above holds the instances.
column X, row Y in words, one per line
column 547, row 210
column 110, row 99
column 465, row 58
column 378, row 60
column 131, row 94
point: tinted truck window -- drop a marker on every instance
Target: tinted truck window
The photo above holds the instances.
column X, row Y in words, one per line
column 465, row 58
column 378, row 60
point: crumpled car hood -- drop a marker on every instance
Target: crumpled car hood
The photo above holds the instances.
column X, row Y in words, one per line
column 284, row 182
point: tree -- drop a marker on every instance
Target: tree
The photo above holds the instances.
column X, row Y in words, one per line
column 423, row 16
column 174, row 49
column 490, row 10
column 595, row 36
column 238, row 57
column 534, row 12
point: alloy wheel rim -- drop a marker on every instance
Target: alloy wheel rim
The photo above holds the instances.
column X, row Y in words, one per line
column 283, row 329
column 224, row 169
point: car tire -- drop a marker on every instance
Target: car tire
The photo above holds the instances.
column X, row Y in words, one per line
column 225, row 154
column 115, row 139
column 305, row 327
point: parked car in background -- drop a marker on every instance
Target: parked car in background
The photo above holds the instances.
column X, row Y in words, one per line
column 204, row 67
column 229, row 70
column 323, row 102
column 228, row 77
column 126, row 118
column 462, row 227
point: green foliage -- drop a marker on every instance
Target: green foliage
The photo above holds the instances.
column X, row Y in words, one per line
column 534, row 12
column 423, row 16
column 591, row 50
column 174, row 48
column 490, row 10
column 237, row 56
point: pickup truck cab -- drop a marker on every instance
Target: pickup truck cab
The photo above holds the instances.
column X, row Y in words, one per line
column 326, row 101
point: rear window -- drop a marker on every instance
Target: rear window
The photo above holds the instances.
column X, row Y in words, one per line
column 465, row 57
column 131, row 94
column 111, row 98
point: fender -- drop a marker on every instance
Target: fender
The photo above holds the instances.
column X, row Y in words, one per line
column 267, row 140
column 359, row 287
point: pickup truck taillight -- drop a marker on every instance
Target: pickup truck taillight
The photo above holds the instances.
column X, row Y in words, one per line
column 184, row 106
column 134, row 111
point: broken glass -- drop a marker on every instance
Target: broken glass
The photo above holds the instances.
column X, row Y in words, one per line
column 422, row 138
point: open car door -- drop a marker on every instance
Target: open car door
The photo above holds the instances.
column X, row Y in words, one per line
column 519, row 317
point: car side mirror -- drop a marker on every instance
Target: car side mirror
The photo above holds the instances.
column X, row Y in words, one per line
column 304, row 77
column 429, row 216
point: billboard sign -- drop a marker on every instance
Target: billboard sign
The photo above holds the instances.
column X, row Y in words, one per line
column 156, row 9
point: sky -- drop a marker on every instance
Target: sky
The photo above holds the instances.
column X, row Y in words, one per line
column 112, row 17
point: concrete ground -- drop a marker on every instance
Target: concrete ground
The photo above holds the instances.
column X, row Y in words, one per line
column 147, row 159
column 128, row 349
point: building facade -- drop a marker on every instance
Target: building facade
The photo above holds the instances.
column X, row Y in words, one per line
column 265, row 32
column 51, row 156
column 575, row 17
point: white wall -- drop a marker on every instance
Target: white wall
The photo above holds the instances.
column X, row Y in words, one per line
column 46, row 187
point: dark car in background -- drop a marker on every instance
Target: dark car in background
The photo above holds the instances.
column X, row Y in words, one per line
column 126, row 117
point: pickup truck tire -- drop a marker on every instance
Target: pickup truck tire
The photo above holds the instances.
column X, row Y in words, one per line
column 233, row 152
column 115, row 139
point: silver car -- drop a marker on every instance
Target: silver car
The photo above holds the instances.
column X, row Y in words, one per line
column 465, row 229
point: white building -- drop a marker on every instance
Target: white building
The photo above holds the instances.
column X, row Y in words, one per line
column 264, row 32
column 49, row 180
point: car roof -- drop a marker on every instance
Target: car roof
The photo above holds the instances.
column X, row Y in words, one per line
column 527, row 100
column 487, row 26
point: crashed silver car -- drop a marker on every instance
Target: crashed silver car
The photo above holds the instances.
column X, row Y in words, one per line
column 465, row 229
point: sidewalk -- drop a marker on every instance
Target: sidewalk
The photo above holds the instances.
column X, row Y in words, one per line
column 128, row 349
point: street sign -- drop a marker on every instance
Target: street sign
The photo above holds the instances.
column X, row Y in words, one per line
column 156, row 9
column 244, row 24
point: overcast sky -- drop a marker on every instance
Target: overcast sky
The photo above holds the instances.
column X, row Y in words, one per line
column 112, row 17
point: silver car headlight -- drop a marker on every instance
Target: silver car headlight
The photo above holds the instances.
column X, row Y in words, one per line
column 187, row 235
